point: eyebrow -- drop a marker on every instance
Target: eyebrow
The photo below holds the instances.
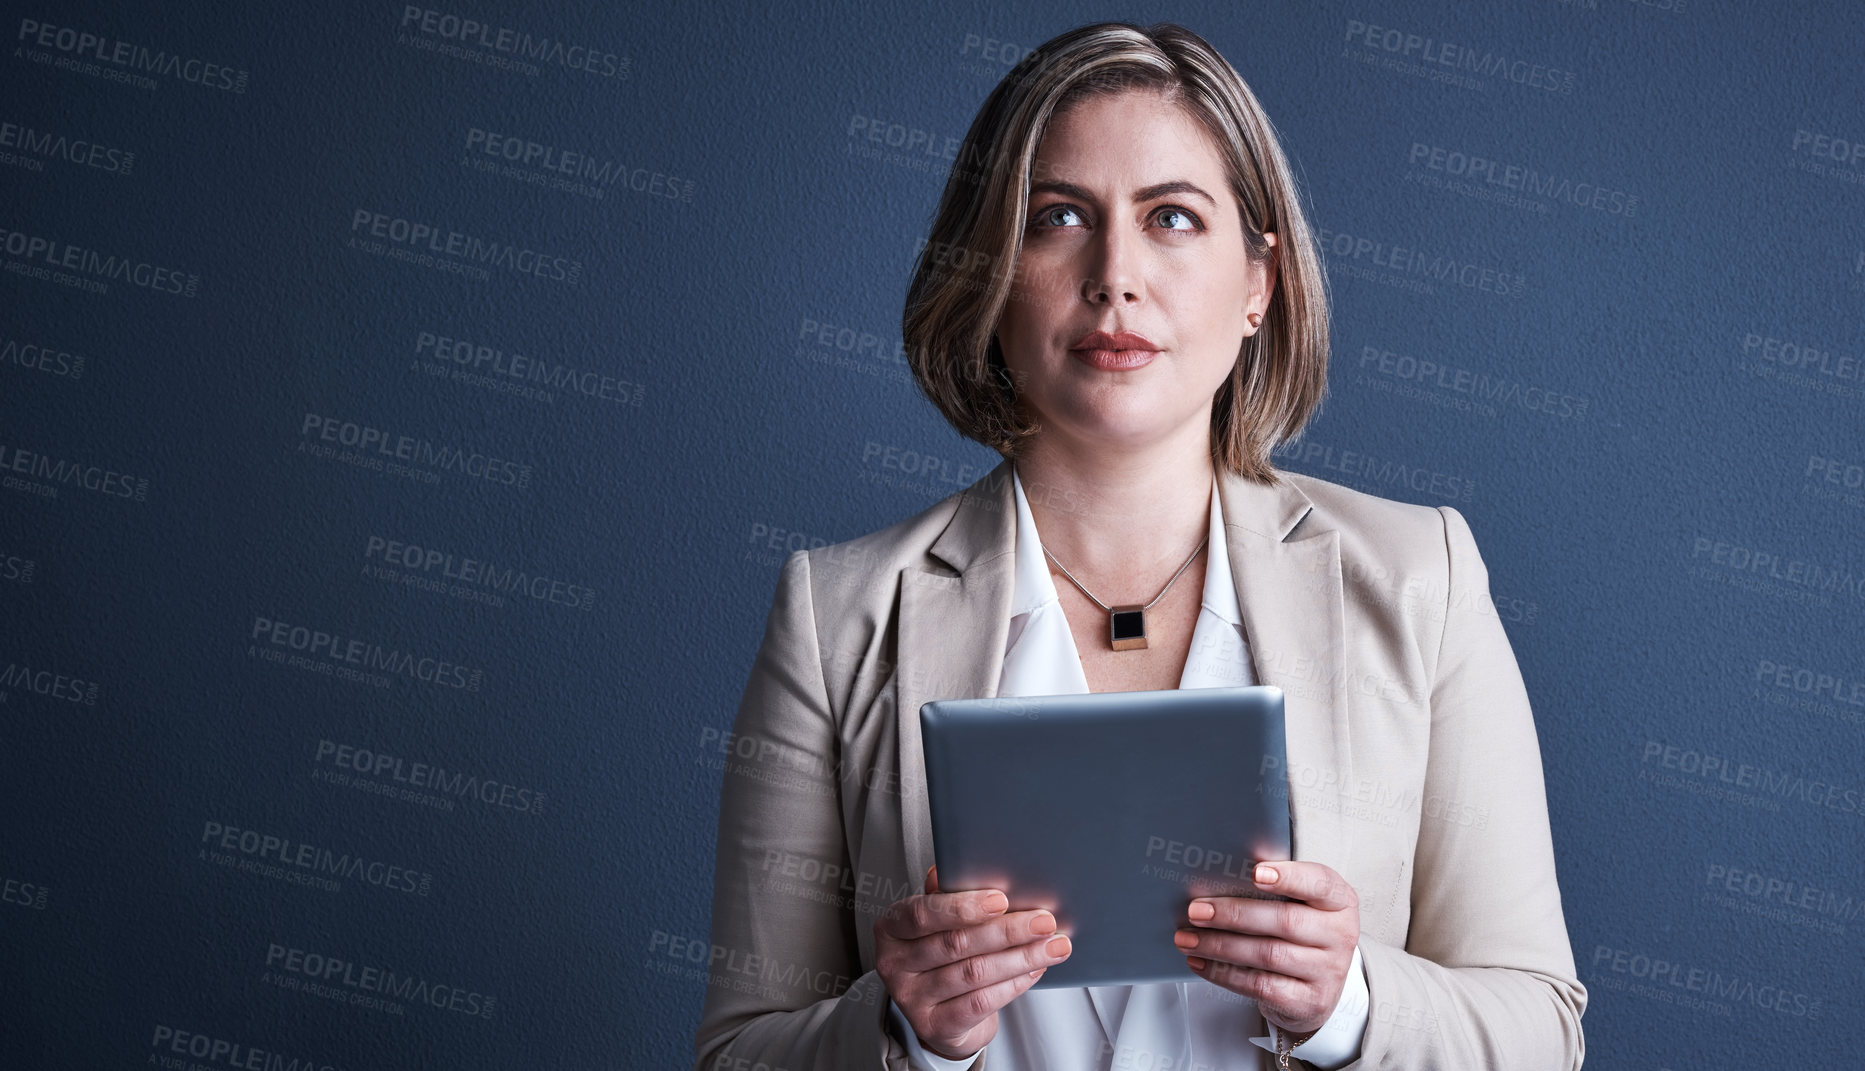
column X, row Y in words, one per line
column 1144, row 193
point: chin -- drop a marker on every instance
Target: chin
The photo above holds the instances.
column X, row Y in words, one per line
column 1120, row 425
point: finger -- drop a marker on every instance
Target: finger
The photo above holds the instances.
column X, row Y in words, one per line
column 927, row 913
column 1290, row 920
column 955, row 1018
column 1290, row 999
column 1303, row 963
column 937, row 950
column 1315, row 884
column 982, row 972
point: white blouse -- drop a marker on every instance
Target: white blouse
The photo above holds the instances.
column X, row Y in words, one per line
column 1187, row 1026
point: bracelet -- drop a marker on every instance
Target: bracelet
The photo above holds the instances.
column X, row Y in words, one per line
column 1282, row 1039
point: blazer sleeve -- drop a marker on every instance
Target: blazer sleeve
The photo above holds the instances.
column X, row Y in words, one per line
column 1486, row 977
column 784, row 986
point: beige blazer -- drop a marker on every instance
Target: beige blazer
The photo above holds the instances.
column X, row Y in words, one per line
column 1413, row 770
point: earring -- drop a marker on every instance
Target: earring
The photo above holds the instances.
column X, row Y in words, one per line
column 1255, row 318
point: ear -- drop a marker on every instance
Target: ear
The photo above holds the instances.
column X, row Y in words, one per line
column 1260, row 298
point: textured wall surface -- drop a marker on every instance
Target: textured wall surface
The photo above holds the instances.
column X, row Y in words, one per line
column 388, row 517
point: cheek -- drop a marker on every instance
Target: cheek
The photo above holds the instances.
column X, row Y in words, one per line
column 1209, row 306
column 1029, row 315
column 1013, row 326
column 1042, row 283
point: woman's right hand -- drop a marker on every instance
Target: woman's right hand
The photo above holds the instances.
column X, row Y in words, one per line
column 950, row 960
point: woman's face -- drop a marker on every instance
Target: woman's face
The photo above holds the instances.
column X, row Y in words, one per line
column 1132, row 229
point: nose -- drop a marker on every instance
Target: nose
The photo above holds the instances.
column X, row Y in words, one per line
column 1114, row 272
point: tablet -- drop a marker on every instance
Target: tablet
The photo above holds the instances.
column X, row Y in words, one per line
column 1112, row 810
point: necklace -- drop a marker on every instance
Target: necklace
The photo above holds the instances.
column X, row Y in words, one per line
column 1126, row 625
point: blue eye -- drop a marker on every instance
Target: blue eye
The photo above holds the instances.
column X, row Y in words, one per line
column 1048, row 217
column 1190, row 222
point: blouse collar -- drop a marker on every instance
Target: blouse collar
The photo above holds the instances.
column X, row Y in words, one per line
column 1035, row 587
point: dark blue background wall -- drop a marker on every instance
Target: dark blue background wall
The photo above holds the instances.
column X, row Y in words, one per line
column 1638, row 374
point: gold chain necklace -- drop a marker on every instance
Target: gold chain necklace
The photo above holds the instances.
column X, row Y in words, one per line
column 1126, row 625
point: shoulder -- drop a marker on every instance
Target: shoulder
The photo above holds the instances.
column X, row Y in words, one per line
column 864, row 568
column 1395, row 553
column 890, row 549
column 1383, row 526
column 844, row 596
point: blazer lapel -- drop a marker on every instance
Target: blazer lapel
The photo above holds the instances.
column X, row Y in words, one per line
column 1289, row 590
column 951, row 635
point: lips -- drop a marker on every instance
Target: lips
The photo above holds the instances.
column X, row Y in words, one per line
column 1122, row 340
column 1120, row 351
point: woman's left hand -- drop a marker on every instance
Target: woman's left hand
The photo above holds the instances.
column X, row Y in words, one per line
column 1290, row 956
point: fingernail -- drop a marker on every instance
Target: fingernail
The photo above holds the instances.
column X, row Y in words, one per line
column 996, row 902
column 1266, row 875
column 1185, row 940
column 1043, row 923
column 1201, row 910
column 1058, row 947
column 1194, row 963
column 1038, row 972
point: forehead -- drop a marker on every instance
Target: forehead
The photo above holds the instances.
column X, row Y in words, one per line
column 1130, row 138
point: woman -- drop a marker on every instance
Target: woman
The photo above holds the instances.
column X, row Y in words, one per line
column 1121, row 297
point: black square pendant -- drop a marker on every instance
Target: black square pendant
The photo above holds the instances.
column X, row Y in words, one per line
column 1127, row 628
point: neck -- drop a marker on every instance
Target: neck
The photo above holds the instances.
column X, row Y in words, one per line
column 1123, row 519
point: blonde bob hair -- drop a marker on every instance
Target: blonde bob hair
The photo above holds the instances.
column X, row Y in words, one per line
column 962, row 278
